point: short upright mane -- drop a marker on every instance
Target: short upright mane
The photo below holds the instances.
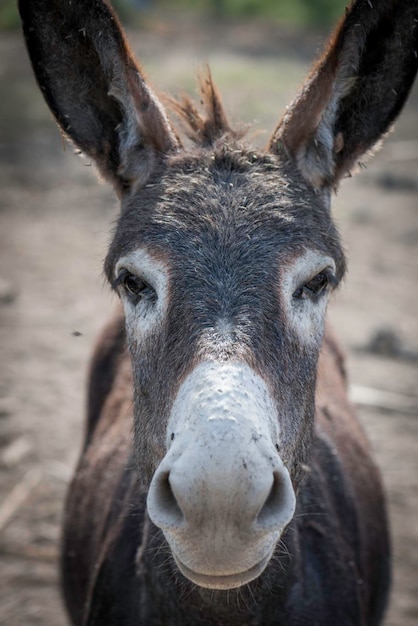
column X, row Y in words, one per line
column 204, row 125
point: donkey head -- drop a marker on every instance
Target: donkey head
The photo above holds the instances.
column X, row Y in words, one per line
column 224, row 259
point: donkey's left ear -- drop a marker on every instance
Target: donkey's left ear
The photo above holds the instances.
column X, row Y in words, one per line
column 354, row 92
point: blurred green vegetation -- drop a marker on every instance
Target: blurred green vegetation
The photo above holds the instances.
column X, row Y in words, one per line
column 9, row 15
column 315, row 12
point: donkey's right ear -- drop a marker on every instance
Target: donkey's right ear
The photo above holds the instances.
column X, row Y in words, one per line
column 94, row 87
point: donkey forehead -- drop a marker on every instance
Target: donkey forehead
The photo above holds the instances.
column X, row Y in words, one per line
column 240, row 206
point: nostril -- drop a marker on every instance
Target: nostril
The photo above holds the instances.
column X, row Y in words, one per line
column 279, row 506
column 163, row 507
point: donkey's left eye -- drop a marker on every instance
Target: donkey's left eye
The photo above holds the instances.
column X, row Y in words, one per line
column 317, row 284
column 315, row 287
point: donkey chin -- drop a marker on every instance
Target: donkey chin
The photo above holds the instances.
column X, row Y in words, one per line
column 222, row 495
column 226, row 563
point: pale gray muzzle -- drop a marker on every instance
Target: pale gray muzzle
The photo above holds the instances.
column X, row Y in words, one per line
column 222, row 495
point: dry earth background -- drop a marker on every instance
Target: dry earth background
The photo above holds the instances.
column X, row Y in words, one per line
column 54, row 227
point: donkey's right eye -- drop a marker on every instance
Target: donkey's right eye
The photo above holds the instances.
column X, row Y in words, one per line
column 134, row 286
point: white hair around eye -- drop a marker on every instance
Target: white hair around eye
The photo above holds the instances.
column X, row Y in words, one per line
column 142, row 282
column 305, row 285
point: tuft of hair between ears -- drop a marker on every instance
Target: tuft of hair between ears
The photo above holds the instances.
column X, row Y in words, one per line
column 203, row 126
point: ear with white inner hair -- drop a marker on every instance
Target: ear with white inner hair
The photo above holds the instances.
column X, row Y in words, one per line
column 354, row 93
column 95, row 89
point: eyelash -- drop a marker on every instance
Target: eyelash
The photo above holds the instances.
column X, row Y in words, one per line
column 143, row 288
column 327, row 278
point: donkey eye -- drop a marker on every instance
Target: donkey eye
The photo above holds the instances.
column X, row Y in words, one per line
column 317, row 284
column 315, row 287
column 134, row 286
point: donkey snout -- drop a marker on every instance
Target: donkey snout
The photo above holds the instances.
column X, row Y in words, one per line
column 222, row 495
column 221, row 515
column 203, row 488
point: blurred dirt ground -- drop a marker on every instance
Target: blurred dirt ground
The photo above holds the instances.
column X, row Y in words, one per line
column 55, row 224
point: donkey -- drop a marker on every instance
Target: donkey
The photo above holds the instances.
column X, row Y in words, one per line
column 239, row 489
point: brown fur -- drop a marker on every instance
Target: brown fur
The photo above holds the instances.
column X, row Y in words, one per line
column 204, row 127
